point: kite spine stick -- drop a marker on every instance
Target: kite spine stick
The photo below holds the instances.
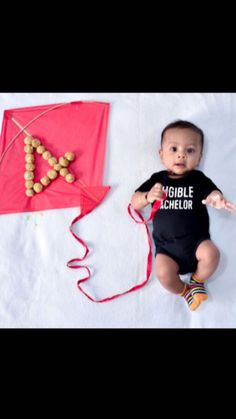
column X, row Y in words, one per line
column 20, row 126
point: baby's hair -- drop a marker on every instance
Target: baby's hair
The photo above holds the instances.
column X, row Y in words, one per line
column 183, row 124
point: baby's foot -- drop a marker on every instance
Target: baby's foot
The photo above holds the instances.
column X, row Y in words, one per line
column 193, row 303
column 198, row 290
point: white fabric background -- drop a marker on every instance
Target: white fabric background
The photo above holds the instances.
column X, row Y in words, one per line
column 37, row 290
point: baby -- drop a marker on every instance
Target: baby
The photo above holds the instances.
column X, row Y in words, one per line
column 181, row 226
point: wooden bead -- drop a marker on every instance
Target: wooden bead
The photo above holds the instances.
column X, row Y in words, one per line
column 69, row 178
column 63, row 161
column 69, row 155
column 29, row 192
column 38, row 187
column 64, row 171
column 45, row 180
column 29, row 184
column 35, row 143
column 46, row 155
column 52, row 174
column 30, row 167
column 28, row 140
column 29, row 175
column 29, row 158
column 28, row 148
column 52, row 161
column 40, row 149
column 57, row 167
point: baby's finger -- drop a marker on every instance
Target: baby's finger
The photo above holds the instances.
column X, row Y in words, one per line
column 158, row 196
column 158, row 186
column 229, row 206
column 216, row 203
column 207, row 201
column 211, row 202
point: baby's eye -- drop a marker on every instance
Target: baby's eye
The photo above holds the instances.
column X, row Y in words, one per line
column 190, row 150
column 173, row 149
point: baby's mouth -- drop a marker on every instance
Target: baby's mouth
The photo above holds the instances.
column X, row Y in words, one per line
column 180, row 165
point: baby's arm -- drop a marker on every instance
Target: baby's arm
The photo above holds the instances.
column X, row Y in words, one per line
column 140, row 200
column 217, row 200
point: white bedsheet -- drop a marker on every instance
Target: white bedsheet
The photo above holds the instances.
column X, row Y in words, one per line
column 37, row 290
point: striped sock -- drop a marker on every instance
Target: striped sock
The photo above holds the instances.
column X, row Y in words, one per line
column 197, row 289
column 187, row 294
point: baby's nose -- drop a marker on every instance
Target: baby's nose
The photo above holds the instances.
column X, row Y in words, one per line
column 181, row 155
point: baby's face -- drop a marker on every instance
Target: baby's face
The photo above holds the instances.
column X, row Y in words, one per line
column 181, row 150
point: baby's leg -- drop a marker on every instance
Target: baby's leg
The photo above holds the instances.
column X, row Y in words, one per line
column 167, row 273
column 208, row 257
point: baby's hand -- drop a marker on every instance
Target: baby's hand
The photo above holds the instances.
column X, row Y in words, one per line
column 155, row 193
column 216, row 199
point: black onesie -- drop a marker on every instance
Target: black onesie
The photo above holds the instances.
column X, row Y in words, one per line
column 182, row 221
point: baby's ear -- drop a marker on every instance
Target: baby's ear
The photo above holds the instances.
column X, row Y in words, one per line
column 160, row 153
column 200, row 157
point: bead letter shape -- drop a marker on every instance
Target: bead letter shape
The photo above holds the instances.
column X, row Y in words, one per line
column 59, row 167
